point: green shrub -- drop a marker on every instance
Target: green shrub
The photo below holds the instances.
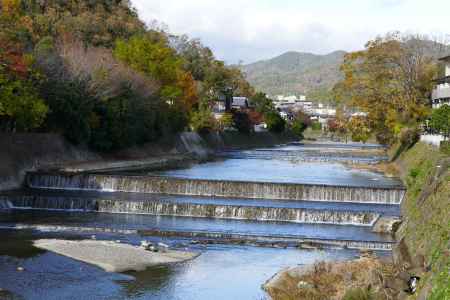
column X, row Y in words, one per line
column 275, row 122
column 316, row 126
column 202, row 121
column 242, row 122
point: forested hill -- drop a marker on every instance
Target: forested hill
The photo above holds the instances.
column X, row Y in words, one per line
column 94, row 72
column 313, row 75
column 296, row 73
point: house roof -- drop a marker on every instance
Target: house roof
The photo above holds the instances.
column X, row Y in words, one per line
column 445, row 58
column 443, row 80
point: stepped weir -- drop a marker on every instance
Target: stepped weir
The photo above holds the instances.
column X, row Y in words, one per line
column 5, row 204
column 197, row 210
column 215, row 188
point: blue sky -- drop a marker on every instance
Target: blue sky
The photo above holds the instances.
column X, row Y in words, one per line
column 251, row 30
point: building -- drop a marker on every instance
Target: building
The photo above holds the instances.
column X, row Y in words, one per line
column 440, row 96
column 441, row 93
column 240, row 103
column 292, row 103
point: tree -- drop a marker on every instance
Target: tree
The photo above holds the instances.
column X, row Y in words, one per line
column 391, row 80
column 275, row 122
column 21, row 107
column 358, row 128
column 440, row 120
column 156, row 59
column 262, row 103
column 202, row 121
column 242, row 122
column 300, row 123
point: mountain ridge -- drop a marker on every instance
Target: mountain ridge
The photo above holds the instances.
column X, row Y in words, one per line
column 314, row 75
column 296, row 72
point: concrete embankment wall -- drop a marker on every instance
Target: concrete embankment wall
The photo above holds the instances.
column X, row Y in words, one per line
column 20, row 153
column 213, row 188
column 164, row 208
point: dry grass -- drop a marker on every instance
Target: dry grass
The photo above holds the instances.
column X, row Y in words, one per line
column 330, row 280
column 388, row 169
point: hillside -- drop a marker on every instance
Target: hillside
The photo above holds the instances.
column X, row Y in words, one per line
column 295, row 73
column 311, row 74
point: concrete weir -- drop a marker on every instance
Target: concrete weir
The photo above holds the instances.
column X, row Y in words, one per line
column 196, row 210
column 215, row 188
column 5, row 204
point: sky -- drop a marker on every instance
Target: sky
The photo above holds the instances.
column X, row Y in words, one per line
column 250, row 30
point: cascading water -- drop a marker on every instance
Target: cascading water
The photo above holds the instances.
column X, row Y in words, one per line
column 216, row 188
column 256, row 213
column 5, row 204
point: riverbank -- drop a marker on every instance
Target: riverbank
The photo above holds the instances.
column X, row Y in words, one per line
column 422, row 247
column 329, row 281
column 21, row 153
column 113, row 256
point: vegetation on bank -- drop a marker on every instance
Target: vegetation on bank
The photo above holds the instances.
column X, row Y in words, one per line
column 93, row 71
column 426, row 228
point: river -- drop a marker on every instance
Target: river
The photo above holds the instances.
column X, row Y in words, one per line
column 248, row 213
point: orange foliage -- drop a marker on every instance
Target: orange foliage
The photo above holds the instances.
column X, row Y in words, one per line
column 10, row 7
column 188, row 86
column 11, row 56
column 255, row 117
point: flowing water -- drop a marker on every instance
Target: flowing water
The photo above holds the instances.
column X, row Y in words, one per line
column 278, row 199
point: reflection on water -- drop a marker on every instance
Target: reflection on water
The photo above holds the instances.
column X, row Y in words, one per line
column 283, row 171
column 221, row 272
column 18, row 244
column 150, row 280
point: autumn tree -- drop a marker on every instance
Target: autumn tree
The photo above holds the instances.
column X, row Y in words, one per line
column 156, row 59
column 391, row 80
column 358, row 128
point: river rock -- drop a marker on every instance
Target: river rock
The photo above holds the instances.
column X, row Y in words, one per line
column 163, row 247
column 386, row 224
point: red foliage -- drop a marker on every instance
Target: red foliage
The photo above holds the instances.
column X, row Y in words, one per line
column 12, row 57
column 255, row 117
column 333, row 125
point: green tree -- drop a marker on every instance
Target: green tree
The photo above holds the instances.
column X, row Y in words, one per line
column 21, row 107
column 440, row 120
column 275, row 122
column 300, row 123
column 242, row 122
column 262, row 103
column 202, row 121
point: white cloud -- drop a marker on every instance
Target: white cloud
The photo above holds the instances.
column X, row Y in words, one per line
column 256, row 29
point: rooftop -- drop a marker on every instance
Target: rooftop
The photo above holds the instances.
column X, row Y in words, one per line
column 445, row 58
column 442, row 80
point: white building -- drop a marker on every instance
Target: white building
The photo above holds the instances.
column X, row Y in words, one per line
column 441, row 93
column 439, row 97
